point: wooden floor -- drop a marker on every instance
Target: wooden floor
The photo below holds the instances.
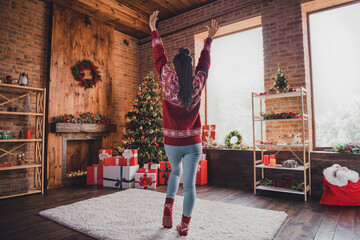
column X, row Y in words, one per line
column 19, row 219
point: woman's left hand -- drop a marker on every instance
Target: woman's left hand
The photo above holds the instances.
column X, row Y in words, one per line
column 153, row 19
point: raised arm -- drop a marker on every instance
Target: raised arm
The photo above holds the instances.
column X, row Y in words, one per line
column 204, row 60
column 158, row 47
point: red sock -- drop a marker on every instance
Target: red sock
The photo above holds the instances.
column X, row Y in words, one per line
column 167, row 217
column 183, row 227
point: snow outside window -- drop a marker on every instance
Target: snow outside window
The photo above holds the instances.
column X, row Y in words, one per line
column 335, row 58
column 237, row 69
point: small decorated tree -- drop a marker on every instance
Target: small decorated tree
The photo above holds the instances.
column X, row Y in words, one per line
column 281, row 82
column 143, row 129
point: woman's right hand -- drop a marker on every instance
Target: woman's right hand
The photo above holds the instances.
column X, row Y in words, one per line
column 212, row 29
column 153, row 19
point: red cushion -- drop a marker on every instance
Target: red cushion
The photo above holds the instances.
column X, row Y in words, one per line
column 348, row 195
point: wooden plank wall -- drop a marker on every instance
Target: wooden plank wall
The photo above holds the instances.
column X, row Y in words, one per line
column 73, row 40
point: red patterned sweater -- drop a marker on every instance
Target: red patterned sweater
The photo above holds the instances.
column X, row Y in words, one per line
column 181, row 126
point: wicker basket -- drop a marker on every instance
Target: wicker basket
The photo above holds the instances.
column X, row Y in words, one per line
column 288, row 141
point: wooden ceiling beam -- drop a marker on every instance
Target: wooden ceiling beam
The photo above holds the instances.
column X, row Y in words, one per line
column 109, row 11
column 130, row 16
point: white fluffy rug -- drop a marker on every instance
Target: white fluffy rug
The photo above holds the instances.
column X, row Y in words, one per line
column 137, row 214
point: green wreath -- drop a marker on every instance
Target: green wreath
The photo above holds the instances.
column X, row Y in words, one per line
column 79, row 75
column 232, row 134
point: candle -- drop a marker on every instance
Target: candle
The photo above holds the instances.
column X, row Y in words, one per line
column 94, row 115
column 272, row 162
column 266, row 160
column 76, row 115
column 27, row 133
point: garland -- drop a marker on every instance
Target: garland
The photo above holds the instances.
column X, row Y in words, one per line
column 79, row 75
column 82, row 118
column 283, row 115
column 214, row 145
column 232, row 134
column 345, row 148
column 289, row 183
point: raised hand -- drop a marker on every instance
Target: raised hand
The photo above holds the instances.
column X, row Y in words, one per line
column 153, row 19
column 212, row 28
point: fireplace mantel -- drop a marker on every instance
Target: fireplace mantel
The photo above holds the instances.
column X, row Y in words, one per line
column 81, row 128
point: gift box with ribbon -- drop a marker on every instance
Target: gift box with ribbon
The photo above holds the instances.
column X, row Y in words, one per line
column 114, row 161
column 146, row 170
column 164, row 172
column 95, row 175
column 149, row 170
column 209, row 133
column 145, row 180
column 201, row 174
column 130, row 157
column 151, row 165
column 122, row 177
column 105, row 153
column 152, row 168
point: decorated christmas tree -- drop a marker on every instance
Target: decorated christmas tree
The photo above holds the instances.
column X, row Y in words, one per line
column 143, row 129
column 281, row 82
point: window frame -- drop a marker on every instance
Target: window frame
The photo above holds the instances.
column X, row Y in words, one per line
column 315, row 147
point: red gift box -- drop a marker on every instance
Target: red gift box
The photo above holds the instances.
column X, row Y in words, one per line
column 201, row 174
column 113, row 161
column 209, row 133
column 164, row 172
column 5, row 164
column 94, row 175
column 105, row 153
column 130, row 157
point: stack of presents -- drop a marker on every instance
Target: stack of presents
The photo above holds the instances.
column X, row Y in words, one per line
column 123, row 171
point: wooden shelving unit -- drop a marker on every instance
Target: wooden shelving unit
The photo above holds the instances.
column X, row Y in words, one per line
column 39, row 140
column 30, row 191
column 259, row 163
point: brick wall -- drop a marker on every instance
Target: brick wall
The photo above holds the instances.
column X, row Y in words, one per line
column 24, row 39
column 283, row 42
column 24, row 29
column 24, row 44
column 126, row 79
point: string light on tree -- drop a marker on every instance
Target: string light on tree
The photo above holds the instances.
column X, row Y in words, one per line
column 143, row 129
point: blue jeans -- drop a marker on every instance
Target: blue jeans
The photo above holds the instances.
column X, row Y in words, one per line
column 190, row 155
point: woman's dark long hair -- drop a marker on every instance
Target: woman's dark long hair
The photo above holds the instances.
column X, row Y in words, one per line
column 183, row 67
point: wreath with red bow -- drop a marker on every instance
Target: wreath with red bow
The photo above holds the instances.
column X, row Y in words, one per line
column 79, row 75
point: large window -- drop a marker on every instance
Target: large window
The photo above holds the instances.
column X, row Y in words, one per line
column 335, row 57
column 237, row 69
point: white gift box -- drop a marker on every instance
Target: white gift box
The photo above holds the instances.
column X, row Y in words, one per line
column 145, row 180
column 151, row 165
column 122, row 177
